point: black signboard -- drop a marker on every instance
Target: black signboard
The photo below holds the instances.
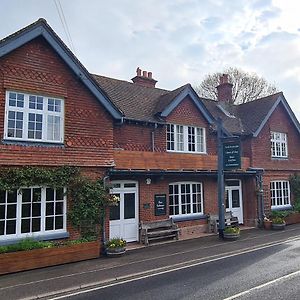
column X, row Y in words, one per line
column 160, row 205
column 231, row 153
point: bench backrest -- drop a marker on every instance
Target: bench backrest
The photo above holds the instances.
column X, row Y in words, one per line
column 228, row 215
column 157, row 224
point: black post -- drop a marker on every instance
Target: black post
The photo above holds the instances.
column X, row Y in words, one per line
column 221, row 190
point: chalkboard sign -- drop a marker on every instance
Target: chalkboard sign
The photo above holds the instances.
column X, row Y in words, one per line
column 160, row 205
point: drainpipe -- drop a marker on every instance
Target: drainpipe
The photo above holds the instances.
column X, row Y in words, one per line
column 153, row 138
column 105, row 178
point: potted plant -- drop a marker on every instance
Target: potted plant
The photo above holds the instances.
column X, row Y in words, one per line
column 115, row 247
column 278, row 223
column 267, row 223
column 231, row 233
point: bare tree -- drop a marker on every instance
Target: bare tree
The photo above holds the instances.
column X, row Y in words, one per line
column 246, row 86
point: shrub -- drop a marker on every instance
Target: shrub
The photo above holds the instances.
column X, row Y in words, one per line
column 278, row 220
column 26, row 244
column 115, row 243
column 232, row 230
column 281, row 213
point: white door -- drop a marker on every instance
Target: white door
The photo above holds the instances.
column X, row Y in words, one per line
column 233, row 199
column 123, row 219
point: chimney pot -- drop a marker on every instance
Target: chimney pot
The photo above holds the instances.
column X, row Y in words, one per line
column 145, row 80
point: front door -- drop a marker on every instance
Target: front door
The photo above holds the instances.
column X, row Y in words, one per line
column 123, row 219
column 233, row 198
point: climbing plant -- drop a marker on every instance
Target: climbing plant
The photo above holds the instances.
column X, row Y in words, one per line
column 89, row 197
column 295, row 187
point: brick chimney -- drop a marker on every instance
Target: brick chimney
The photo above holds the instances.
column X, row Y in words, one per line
column 145, row 79
column 225, row 89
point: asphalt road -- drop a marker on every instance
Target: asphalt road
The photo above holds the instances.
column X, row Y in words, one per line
column 268, row 273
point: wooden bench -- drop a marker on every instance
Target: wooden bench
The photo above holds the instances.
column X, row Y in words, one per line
column 158, row 230
column 213, row 221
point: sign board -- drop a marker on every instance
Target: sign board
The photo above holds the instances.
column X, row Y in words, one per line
column 160, row 205
column 231, row 153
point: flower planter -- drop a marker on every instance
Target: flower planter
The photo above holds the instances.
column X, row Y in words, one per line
column 231, row 236
column 268, row 225
column 115, row 252
column 38, row 258
column 292, row 218
column 278, row 226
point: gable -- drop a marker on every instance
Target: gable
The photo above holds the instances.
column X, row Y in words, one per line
column 181, row 96
column 42, row 29
column 290, row 116
column 187, row 113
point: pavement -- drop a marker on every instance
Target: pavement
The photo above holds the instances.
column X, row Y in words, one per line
column 138, row 262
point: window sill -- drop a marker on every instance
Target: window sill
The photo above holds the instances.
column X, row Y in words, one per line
column 181, row 218
column 44, row 237
column 186, row 152
column 282, row 207
column 279, row 158
column 31, row 143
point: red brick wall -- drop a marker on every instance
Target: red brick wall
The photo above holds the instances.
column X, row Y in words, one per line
column 36, row 68
column 136, row 137
column 261, row 146
column 186, row 113
column 139, row 138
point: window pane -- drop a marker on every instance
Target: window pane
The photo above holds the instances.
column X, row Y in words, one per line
column 59, row 194
column 36, row 209
column 12, row 196
column 59, row 208
column 26, row 210
column 49, row 194
column 2, row 212
column 129, row 206
column 1, row 227
column 11, row 211
column 11, row 227
column 50, row 209
column 114, row 211
column 36, row 225
column 235, row 198
column 49, row 223
column 26, row 195
column 25, row 226
column 58, row 222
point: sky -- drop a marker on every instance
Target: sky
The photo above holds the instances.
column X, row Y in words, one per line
column 179, row 41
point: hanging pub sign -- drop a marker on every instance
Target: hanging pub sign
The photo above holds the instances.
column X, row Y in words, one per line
column 231, row 153
column 160, row 205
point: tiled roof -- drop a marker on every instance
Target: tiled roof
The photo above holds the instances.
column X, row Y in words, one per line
column 244, row 118
column 143, row 103
column 253, row 113
column 135, row 101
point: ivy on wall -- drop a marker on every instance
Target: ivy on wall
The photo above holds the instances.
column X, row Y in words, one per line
column 295, row 187
column 89, row 197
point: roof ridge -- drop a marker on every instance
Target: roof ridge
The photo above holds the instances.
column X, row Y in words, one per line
column 128, row 82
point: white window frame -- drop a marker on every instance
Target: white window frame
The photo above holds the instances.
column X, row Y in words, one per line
column 43, row 231
column 179, row 139
column 280, row 194
column 192, row 213
column 26, row 111
column 279, row 146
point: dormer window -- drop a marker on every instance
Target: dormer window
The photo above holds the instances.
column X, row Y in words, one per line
column 182, row 138
column 33, row 118
column 279, row 145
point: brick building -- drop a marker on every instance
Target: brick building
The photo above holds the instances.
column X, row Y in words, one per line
column 156, row 148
